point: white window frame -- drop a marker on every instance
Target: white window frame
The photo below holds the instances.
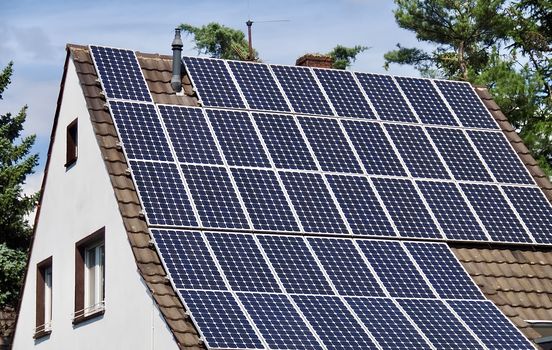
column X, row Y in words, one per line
column 94, row 278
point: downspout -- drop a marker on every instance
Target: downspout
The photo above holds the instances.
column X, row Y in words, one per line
column 176, row 80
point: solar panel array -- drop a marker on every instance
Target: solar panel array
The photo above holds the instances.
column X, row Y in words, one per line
column 279, row 157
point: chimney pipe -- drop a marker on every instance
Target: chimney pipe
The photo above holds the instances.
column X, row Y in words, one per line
column 176, row 80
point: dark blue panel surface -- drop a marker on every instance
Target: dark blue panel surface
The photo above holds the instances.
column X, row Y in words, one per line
column 258, row 86
column 163, row 194
column 426, row 101
column 213, row 82
column 214, row 197
column 140, row 130
column 120, row 74
column 190, row 135
column 313, row 203
column 265, row 200
column 302, row 90
column 188, row 260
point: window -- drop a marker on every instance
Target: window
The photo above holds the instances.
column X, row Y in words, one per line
column 72, row 143
column 89, row 277
column 43, row 298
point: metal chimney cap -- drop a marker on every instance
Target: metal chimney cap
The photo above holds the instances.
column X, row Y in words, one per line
column 177, row 41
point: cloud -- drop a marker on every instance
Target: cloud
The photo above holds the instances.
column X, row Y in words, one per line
column 32, row 185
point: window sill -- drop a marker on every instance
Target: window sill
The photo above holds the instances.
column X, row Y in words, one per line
column 70, row 163
column 41, row 334
column 83, row 318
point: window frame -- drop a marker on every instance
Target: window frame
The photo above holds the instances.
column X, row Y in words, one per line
column 72, row 143
column 44, row 296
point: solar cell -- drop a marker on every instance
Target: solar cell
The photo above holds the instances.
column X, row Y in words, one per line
column 242, row 262
column 221, row 320
column 406, row 208
column 264, row 199
column 329, row 145
column 344, row 93
column 258, row 86
column 302, row 90
column 360, row 205
column 334, row 324
column 490, row 325
column 163, row 194
column 284, row 142
column 373, row 148
column 294, row 265
column 495, row 213
column 439, row 324
column 395, row 269
column 451, row 211
column 214, row 197
column 213, row 82
column 190, row 135
column 313, row 203
column 461, row 158
column 466, row 104
column 237, row 138
column 387, row 324
column 140, row 130
column 426, row 101
column 501, row 159
column 416, row 151
column 120, row 74
column 345, row 267
column 188, row 260
column 443, row 271
column 279, row 323
column 386, row 97
column 534, row 209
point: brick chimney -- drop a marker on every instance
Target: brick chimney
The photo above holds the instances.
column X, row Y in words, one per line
column 314, row 60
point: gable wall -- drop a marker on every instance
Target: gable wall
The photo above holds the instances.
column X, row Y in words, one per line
column 77, row 202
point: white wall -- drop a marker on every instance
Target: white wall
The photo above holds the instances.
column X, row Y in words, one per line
column 76, row 203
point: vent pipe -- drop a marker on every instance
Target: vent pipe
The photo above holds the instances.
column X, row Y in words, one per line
column 176, row 80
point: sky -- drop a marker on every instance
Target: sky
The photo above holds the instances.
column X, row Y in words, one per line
column 33, row 35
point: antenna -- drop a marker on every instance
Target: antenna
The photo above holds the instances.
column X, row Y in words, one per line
column 249, row 24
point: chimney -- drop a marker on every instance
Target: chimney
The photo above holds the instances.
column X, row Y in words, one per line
column 176, row 80
column 314, row 60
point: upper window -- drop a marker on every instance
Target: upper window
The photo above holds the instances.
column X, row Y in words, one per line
column 72, row 143
column 43, row 298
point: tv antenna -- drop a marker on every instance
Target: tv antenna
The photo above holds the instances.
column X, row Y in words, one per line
column 249, row 23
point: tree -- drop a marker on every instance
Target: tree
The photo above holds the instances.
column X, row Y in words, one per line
column 343, row 56
column 16, row 163
column 219, row 41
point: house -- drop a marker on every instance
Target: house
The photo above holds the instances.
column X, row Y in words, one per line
column 165, row 224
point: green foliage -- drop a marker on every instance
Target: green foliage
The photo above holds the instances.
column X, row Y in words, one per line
column 219, row 41
column 12, row 268
column 344, row 56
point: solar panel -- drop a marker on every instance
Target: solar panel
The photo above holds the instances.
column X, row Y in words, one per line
column 345, row 267
column 386, row 97
column 406, row 208
column 120, row 74
column 279, row 323
column 295, row 265
column 188, row 260
column 373, row 148
column 443, row 271
column 140, row 130
column 302, row 90
column 213, row 82
column 395, row 269
column 360, row 205
column 466, row 104
column 439, row 324
column 214, row 197
column 426, row 101
column 387, row 324
column 221, row 320
column 284, row 142
column 329, row 145
column 163, row 194
column 334, row 324
column 495, row 213
column 242, row 262
column 500, row 157
column 534, row 209
column 258, row 86
column 416, row 151
column 459, row 155
column 313, row 202
column 237, row 138
column 451, row 211
column 264, row 199
column 344, row 93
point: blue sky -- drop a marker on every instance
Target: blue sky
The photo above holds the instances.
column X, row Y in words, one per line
column 33, row 34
